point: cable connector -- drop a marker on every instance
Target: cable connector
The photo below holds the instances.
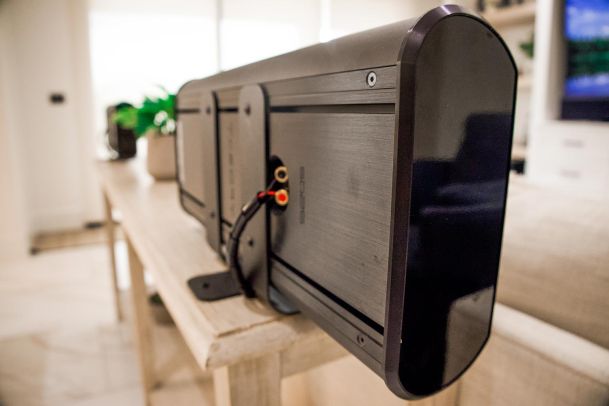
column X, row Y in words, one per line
column 247, row 213
column 281, row 197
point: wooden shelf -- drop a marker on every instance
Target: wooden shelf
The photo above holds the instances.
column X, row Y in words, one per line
column 509, row 16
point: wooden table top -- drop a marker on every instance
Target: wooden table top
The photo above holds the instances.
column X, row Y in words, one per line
column 172, row 247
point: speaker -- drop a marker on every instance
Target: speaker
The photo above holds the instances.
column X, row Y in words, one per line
column 121, row 140
column 393, row 148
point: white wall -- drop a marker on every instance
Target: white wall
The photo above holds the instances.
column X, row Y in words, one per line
column 13, row 223
column 134, row 45
column 570, row 155
column 342, row 17
column 84, row 121
column 138, row 45
column 47, row 54
column 251, row 31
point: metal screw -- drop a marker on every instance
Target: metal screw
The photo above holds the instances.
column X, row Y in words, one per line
column 208, row 110
column 361, row 340
column 250, row 241
column 371, row 79
column 248, row 109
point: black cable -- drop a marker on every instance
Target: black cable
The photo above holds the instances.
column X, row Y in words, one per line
column 247, row 213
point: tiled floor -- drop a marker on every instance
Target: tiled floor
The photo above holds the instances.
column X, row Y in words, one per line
column 60, row 343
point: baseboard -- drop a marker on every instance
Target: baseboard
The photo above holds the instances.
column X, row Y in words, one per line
column 65, row 218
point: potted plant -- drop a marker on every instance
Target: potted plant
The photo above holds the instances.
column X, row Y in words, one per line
column 155, row 120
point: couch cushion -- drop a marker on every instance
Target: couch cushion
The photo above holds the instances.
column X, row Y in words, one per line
column 530, row 362
column 555, row 259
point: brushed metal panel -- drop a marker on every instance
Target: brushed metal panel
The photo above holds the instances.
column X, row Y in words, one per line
column 229, row 166
column 252, row 136
column 365, row 50
column 285, row 279
column 349, row 335
column 334, row 82
column 336, row 228
column 228, row 97
column 193, row 207
column 188, row 101
column 191, row 168
column 189, row 95
column 209, row 157
column 355, row 97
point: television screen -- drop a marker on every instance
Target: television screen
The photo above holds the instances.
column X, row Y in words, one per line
column 587, row 33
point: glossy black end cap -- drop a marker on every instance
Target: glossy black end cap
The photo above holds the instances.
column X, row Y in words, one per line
column 454, row 124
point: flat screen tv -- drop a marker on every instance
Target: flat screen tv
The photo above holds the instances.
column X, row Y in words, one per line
column 586, row 91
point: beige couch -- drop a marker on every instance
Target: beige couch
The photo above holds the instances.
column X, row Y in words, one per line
column 550, row 342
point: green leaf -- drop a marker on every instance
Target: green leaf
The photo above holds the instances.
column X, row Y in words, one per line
column 126, row 117
column 528, row 47
column 153, row 114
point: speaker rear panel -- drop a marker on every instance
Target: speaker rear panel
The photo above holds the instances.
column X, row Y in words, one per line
column 336, row 228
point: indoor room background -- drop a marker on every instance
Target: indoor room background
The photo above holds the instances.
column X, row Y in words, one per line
column 99, row 52
column 63, row 62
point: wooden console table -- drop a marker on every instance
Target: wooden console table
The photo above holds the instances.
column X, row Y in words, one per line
column 246, row 345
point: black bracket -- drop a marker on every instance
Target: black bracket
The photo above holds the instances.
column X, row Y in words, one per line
column 214, row 286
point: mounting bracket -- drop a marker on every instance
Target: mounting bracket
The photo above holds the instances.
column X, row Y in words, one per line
column 214, row 286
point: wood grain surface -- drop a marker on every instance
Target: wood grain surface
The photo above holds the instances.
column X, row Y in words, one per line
column 172, row 248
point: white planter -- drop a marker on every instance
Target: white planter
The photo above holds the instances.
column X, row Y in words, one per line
column 161, row 159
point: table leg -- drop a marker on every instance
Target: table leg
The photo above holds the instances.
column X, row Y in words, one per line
column 142, row 321
column 254, row 382
column 111, row 245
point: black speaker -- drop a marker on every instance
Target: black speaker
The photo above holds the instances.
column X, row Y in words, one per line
column 121, row 140
column 391, row 151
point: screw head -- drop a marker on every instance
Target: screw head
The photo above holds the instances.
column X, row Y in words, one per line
column 248, row 109
column 371, row 79
column 208, row 110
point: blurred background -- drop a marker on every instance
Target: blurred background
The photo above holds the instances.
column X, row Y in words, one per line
column 63, row 62
column 92, row 54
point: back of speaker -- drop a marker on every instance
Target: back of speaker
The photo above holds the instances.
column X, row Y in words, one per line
column 197, row 158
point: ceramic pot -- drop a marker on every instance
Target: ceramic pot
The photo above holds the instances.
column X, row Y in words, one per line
column 161, row 159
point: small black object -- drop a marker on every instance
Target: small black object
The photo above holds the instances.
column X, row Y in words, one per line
column 121, row 140
column 92, row 225
column 585, row 109
column 57, row 98
column 214, row 286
